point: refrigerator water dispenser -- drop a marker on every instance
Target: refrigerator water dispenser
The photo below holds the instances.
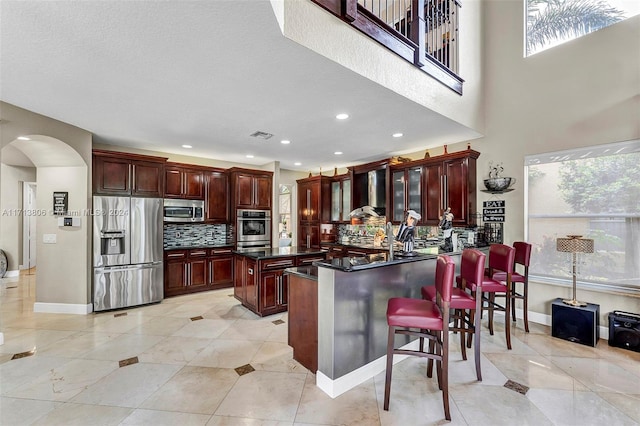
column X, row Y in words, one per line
column 112, row 242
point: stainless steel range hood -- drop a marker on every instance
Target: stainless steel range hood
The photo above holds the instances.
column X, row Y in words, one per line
column 376, row 184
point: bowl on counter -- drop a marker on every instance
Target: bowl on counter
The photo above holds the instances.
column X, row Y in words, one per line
column 499, row 184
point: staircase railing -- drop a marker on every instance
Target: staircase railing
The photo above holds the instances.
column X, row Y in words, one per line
column 424, row 32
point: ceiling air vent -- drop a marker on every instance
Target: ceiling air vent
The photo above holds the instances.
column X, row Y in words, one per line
column 261, row 135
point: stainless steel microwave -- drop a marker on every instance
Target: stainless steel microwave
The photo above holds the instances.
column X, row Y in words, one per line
column 176, row 210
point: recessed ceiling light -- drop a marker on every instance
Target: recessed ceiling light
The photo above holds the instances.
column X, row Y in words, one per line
column 338, row 153
column 285, row 142
column 24, row 138
column 342, row 116
column 187, row 146
column 249, row 156
column 297, row 163
column 397, row 135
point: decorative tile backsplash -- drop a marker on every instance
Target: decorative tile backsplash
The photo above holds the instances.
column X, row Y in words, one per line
column 195, row 235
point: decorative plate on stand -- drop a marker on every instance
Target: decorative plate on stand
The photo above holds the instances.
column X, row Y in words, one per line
column 497, row 192
column 3, row 264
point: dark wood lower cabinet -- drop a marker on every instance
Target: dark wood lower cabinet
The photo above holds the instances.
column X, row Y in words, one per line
column 262, row 286
column 175, row 278
column 191, row 271
column 273, row 292
column 250, row 285
column 221, row 271
column 303, row 320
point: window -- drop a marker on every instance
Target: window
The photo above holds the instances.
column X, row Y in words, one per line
column 284, row 216
column 552, row 22
column 593, row 192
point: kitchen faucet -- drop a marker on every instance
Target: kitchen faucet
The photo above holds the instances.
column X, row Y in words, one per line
column 390, row 238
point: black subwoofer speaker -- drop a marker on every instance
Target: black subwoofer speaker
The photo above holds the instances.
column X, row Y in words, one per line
column 624, row 330
column 580, row 324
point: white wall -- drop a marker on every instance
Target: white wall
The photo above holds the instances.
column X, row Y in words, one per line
column 11, row 180
column 581, row 93
column 59, row 258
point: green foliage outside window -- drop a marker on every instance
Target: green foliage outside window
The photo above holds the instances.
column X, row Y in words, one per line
column 554, row 21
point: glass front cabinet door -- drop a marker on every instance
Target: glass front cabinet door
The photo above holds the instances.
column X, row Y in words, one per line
column 406, row 192
column 340, row 200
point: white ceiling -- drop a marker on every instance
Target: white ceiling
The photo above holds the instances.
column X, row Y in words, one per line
column 158, row 74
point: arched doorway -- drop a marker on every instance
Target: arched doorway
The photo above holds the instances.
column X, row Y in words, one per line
column 62, row 282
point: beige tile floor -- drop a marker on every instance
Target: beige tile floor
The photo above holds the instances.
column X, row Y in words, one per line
column 185, row 373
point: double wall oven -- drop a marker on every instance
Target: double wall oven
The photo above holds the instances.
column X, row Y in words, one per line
column 253, row 228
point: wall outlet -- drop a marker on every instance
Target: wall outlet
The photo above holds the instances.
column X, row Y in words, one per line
column 49, row 238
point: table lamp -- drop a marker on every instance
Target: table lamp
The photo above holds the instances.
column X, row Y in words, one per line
column 574, row 244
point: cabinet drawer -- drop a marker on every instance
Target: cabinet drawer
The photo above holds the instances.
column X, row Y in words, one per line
column 175, row 254
column 308, row 260
column 279, row 263
column 198, row 253
column 219, row 251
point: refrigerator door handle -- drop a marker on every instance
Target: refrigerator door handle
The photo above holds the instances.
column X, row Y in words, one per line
column 110, row 269
column 120, row 268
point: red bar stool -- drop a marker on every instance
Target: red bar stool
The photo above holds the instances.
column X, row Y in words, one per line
column 501, row 259
column 522, row 257
column 466, row 305
column 426, row 320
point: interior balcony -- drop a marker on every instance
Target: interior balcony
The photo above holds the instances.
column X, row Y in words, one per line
column 424, row 50
column 423, row 32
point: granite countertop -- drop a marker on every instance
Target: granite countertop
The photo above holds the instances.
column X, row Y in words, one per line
column 202, row 246
column 308, row 272
column 262, row 253
column 348, row 264
column 383, row 247
column 420, row 244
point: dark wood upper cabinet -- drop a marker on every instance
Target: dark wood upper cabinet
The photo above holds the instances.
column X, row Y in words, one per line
column 117, row 173
column 251, row 189
column 147, row 179
column 244, row 191
column 111, row 175
column 182, row 181
column 217, row 196
column 314, row 208
column 172, row 183
column 263, row 192
column 450, row 181
column 314, row 199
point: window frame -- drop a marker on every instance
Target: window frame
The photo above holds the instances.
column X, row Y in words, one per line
column 626, row 147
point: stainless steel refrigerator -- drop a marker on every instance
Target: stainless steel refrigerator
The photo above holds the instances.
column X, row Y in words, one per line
column 127, row 252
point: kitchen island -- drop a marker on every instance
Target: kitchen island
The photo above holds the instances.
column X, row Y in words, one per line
column 350, row 297
column 259, row 280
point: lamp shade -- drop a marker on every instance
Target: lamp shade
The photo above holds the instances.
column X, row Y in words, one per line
column 574, row 244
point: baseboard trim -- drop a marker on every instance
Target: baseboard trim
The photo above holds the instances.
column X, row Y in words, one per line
column 544, row 319
column 337, row 387
column 63, row 308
